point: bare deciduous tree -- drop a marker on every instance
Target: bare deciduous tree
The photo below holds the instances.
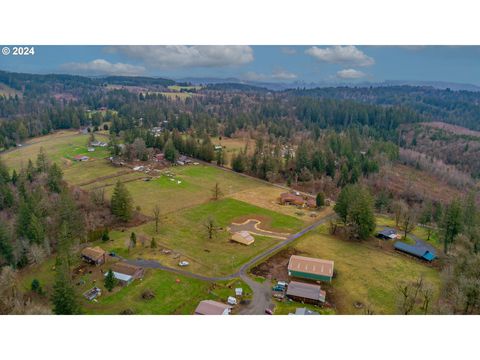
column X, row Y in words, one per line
column 156, row 215
column 216, row 192
column 211, row 227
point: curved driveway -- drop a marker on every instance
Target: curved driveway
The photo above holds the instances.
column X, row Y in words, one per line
column 261, row 291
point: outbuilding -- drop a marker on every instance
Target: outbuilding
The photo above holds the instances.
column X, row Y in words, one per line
column 94, row 255
column 387, row 234
column 306, row 293
column 243, row 237
column 125, row 273
column 81, row 158
column 421, row 252
column 310, row 268
column 211, row 307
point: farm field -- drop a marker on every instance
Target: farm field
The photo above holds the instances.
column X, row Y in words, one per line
column 233, row 146
column 7, row 91
column 365, row 273
column 184, row 233
column 60, row 147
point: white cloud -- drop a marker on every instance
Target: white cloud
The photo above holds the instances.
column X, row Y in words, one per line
column 276, row 75
column 188, row 56
column 350, row 74
column 280, row 74
column 103, row 67
column 341, row 55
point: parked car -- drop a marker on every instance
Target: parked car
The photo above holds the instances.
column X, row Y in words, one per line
column 268, row 311
column 183, row 263
column 112, row 254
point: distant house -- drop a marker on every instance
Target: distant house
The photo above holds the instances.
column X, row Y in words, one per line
column 310, row 268
column 160, row 157
column 292, row 199
column 97, row 143
column 125, row 273
column 387, row 234
column 243, row 237
column 94, row 255
column 304, row 311
column 419, row 251
column 91, row 149
column 218, row 147
column 211, row 307
column 81, row 158
column 306, row 293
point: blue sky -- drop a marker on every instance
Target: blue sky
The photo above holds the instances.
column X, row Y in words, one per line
column 314, row 63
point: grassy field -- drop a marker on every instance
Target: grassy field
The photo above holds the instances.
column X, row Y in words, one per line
column 60, row 147
column 184, row 233
column 7, row 91
column 196, row 184
column 419, row 232
column 287, row 307
column 233, row 146
column 174, row 294
column 365, row 273
column 179, row 87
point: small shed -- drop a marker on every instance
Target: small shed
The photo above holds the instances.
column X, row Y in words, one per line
column 387, row 234
column 243, row 237
column 94, row 255
column 238, row 291
column 310, row 268
column 419, row 251
column 211, row 307
column 81, row 158
column 306, row 293
column 125, row 273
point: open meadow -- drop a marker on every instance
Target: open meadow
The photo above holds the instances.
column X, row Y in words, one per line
column 364, row 272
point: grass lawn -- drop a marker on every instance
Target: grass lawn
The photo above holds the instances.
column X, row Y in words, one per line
column 365, row 273
column 419, row 232
column 286, row 307
column 184, row 233
column 195, row 187
column 60, row 147
column 171, row 296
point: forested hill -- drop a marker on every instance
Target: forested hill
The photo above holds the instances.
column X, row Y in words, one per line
column 34, row 84
column 454, row 107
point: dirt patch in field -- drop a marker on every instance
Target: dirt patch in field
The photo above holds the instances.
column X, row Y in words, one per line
column 101, row 178
column 275, row 268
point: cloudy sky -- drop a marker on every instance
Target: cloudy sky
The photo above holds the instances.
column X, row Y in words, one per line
column 314, row 63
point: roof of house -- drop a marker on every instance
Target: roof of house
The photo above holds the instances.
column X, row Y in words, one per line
column 80, row 157
column 289, row 197
column 419, row 251
column 243, row 237
column 311, row 265
column 211, row 307
column 388, row 232
column 93, row 253
column 306, row 291
column 305, row 311
column 120, row 276
column 125, row 268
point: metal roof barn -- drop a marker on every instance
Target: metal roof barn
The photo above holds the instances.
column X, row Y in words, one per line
column 417, row 251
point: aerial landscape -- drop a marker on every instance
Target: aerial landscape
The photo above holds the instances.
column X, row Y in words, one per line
column 212, row 180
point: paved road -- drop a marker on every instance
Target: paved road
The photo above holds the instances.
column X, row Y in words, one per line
column 262, row 294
